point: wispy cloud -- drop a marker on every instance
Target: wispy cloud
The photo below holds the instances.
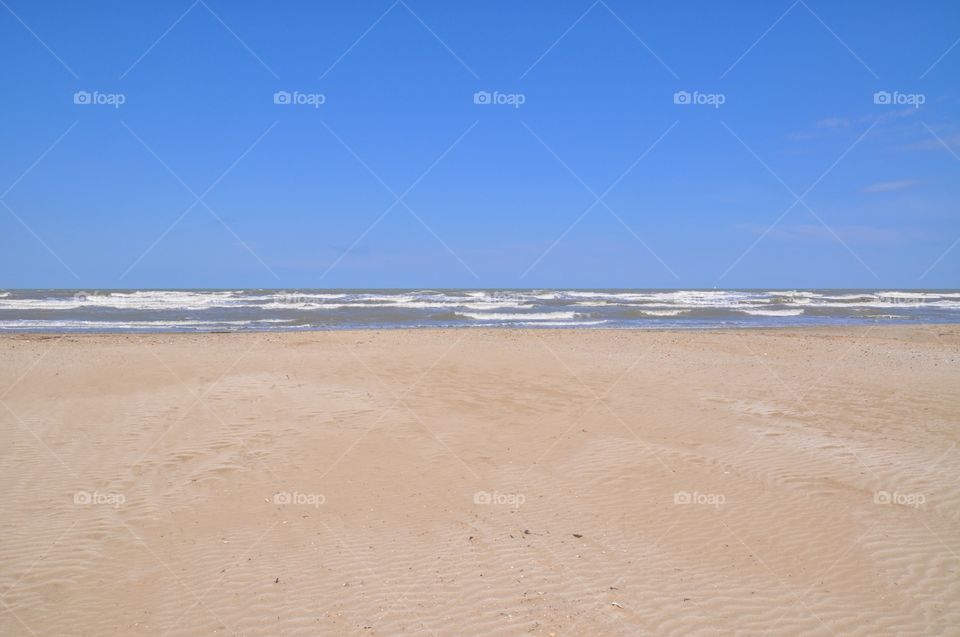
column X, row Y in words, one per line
column 828, row 127
column 819, row 128
column 832, row 122
column 861, row 234
column 891, row 186
column 932, row 143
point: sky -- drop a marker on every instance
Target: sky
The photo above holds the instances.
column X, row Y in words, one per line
column 429, row 143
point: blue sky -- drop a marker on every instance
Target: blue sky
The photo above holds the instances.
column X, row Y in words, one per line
column 798, row 179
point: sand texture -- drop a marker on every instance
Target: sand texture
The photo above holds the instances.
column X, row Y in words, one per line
column 482, row 482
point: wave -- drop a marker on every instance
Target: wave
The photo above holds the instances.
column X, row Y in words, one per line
column 469, row 299
column 664, row 312
column 561, row 323
column 333, row 309
column 124, row 325
column 139, row 300
column 499, row 316
column 773, row 312
column 412, row 305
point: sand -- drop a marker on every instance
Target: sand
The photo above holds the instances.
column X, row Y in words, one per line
column 482, row 482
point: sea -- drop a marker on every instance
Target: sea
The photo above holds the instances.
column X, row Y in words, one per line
column 60, row 311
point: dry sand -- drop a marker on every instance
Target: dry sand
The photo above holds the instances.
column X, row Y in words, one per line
column 472, row 482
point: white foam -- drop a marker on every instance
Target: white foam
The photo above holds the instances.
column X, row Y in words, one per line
column 774, row 312
column 710, row 298
column 140, row 300
column 500, row 316
column 560, row 323
column 665, row 312
column 848, row 297
column 123, row 325
column 413, row 305
column 908, row 295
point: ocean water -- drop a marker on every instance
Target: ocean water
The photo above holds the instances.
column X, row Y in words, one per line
column 239, row 310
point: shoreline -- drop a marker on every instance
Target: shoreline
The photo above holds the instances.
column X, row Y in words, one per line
column 868, row 327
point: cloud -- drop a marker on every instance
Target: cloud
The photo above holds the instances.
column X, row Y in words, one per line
column 890, row 186
column 834, row 125
column 819, row 128
column 832, row 122
column 857, row 234
column 356, row 249
column 891, row 115
column 932, row 143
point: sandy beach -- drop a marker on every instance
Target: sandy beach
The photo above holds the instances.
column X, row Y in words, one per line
column 482, row 482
